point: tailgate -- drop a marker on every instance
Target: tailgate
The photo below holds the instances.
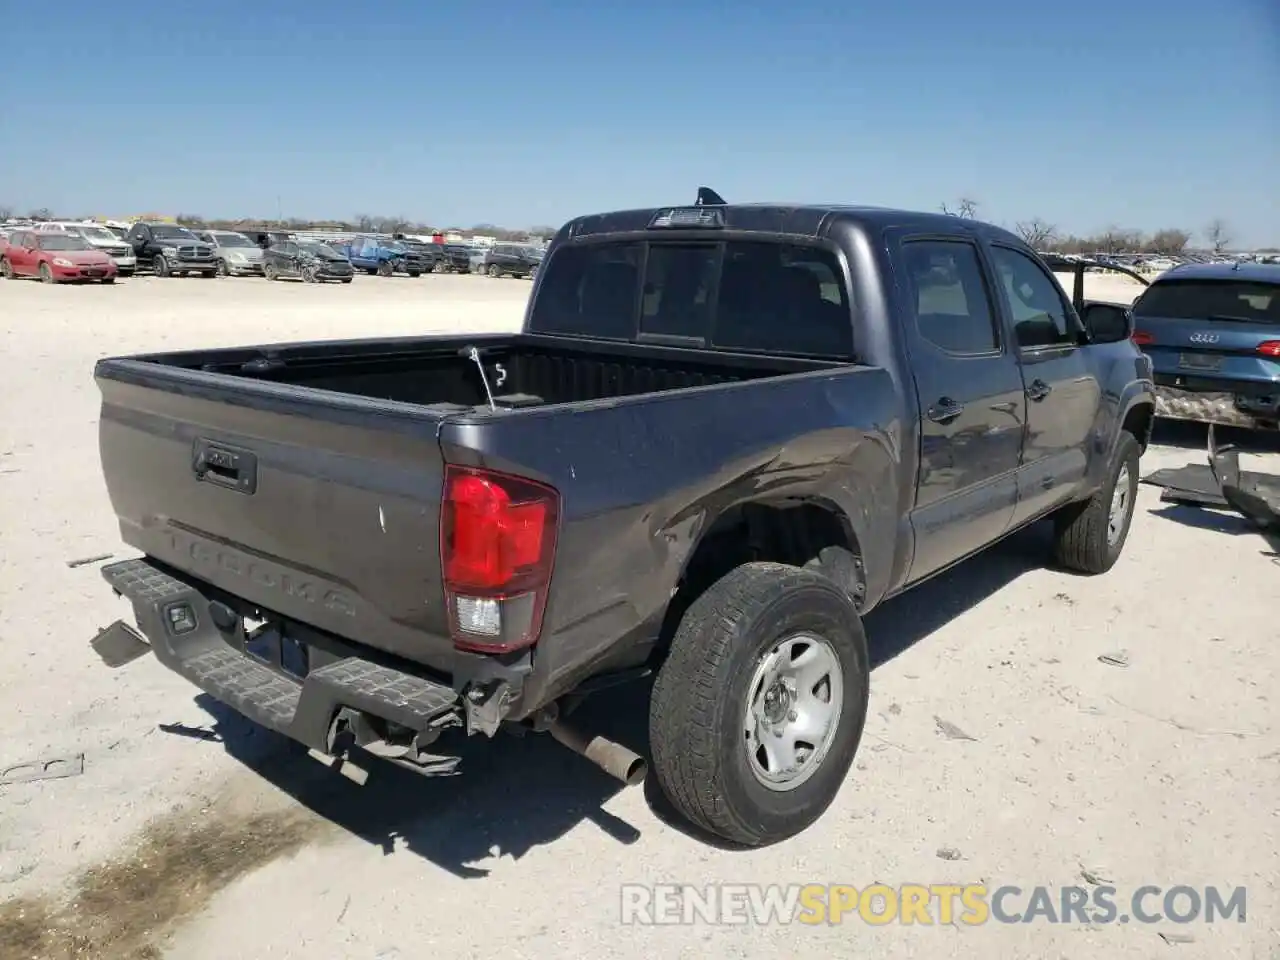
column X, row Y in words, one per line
column 318, row 506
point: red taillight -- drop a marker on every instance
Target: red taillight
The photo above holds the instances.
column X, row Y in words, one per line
column 1269, row 348
column 1142, row 338
column 497, row 546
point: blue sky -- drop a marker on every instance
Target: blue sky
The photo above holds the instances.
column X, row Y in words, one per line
column 1132, row 114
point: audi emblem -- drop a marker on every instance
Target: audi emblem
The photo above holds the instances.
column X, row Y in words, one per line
column 1204, row 338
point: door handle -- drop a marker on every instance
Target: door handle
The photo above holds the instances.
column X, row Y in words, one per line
column 945, row 410
column 1037, row 390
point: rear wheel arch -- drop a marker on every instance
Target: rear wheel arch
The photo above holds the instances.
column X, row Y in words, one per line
column 803, row 532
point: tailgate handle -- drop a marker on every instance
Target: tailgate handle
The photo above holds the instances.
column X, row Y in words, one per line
column 225, row 466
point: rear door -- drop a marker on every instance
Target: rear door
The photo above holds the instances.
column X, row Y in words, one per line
column 1063, row 395
column 973, row 411
column 20, row 253
column 1213, row 333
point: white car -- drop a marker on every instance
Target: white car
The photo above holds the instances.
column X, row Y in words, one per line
column 99, row 237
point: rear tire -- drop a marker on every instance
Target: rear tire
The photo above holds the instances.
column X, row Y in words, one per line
column 1089, row 536
column 494, row 271
column 730, row 664
column 6, row 270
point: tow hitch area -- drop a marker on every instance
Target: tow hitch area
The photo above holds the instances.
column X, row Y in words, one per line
column 343, row 703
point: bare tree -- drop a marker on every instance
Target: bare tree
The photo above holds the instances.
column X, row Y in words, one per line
column 364, row 222
column 1169, row 241
column 966, row 208
column 1036, row 233
column 1218, row 234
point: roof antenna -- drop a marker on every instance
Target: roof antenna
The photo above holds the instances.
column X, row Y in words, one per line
column 709, row 198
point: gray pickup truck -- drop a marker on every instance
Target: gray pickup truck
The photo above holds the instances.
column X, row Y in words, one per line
column 724, row 433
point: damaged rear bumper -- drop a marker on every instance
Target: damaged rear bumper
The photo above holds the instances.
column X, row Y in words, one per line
column 339, row 702
column 1205, row 403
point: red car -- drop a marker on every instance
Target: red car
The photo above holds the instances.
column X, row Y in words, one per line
column 54, row 257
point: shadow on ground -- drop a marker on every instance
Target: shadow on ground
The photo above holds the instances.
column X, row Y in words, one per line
column 517, row 793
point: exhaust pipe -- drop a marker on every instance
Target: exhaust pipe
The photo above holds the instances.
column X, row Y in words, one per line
column 613, row 758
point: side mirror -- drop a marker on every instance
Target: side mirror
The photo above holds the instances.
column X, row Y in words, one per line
column 1107, row 322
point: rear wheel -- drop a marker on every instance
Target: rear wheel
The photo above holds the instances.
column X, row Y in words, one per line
column 46, row 275
column 494, row 271
column 160, row 266
column 7, row 270
column 758, row 710
column 1089, row 536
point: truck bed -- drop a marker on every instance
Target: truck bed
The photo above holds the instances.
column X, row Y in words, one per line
column 304, row 480
column 434, row 372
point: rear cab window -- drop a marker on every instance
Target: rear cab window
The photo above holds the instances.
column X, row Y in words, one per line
column 1205, row 300
column 738, row 295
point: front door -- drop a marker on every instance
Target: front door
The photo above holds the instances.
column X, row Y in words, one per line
column 1063, row 395
column 971, row 400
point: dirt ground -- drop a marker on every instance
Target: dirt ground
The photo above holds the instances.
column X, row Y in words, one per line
column 999, row 749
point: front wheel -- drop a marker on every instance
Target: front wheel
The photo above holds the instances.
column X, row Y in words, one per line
column 385, row 268
column 494, row 271
column 269, row 271
column 346, row 279
column 1089, row 536
column 46, row 275
column 758, row 710
column 222, row 269
column 160, row 266
column 109, row 280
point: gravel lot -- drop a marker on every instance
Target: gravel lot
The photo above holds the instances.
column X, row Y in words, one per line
column 190, row 830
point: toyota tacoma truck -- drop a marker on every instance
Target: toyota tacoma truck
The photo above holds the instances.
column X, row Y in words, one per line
column 723, row 434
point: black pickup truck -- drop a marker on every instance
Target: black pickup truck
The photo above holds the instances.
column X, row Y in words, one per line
column 171, row 251
column 724, row 433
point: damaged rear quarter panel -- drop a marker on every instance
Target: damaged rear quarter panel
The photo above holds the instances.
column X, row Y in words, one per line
column 642, row 477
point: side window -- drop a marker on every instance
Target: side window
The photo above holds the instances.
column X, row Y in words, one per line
column 952, row 308
column 783, row 298
column 678, row 282
column 1041, row 317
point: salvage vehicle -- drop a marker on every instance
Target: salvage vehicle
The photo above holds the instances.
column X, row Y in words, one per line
column 171, row 251
column 509, row 260
column 432, row 254
column 100, row 238
column 238, row 256
column 723, row 435
column 306, row 260
column 384, row 258
column 55, row 258
column 1212, row 331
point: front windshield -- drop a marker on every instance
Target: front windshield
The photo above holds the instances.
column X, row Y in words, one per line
column 172, row 233
column 63, row 241
column 98, row 233
column 233, row 240
column 317, row 250
column 395, row 246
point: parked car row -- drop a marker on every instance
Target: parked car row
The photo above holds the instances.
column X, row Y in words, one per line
column 171, row 250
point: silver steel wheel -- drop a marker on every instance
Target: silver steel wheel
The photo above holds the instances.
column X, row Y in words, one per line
column 1119, row 507
column 793, row 710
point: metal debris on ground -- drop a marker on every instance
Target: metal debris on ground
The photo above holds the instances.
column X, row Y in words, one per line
column 951, row 731
column 949, row 853
column 51, row 768
column 85, row 561
column 1117, row 658
column 1175, row 938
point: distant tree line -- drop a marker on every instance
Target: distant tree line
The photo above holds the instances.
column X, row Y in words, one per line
column 1042, row 235
column 1038, row 233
